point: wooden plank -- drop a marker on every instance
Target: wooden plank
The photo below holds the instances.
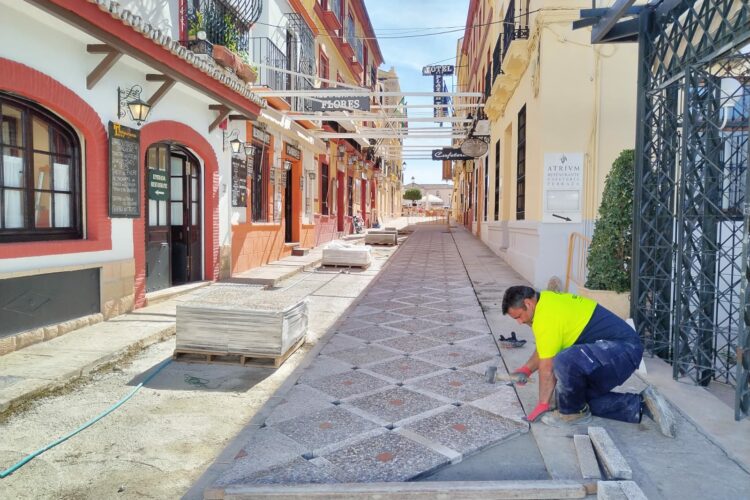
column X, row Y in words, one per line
column 615, row 465
column 167, row 84
column 477, row 490
column 586, row 457
column 104, row 65
column 234, row 358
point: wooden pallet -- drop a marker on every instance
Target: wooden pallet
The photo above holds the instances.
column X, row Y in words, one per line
column 346, row 266
column 228, row 358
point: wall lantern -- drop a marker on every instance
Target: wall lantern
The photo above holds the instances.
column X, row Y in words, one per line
column 249, row 150
column 131, row 99
column 232, row 138
column 287, row 165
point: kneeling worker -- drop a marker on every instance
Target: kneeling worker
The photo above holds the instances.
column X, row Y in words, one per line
column 587, row 351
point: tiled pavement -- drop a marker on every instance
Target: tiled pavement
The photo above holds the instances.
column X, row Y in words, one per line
column 397, row 391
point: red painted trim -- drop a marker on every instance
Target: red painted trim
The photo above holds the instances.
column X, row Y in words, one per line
column 300, row 9
column 469, row 30
column 42, row 89
column 186, row 136
column 94, row 19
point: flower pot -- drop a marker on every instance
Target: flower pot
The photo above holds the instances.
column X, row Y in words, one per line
column 617, row 302
column 225, row 57
column 247, row 73
column 202, row 47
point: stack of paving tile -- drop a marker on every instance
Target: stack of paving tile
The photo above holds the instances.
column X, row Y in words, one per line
column 339, row 253
column 230, row 319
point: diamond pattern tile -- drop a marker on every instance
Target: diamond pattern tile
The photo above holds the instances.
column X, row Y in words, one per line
column 453, row 317
column 420, row 299
column 404, row 368
column 466, row 429
column 364, row 355
column 381, row 318
column 395, row 404
column 372, row 333
column 324, row 428
column 298, row 471
column 478, row 325
column 415, row 325
column 343, row 385
column 419, row 312
column 454, row 355
column 449, row 334
column 411, row 343
column 388, row 457
column 459, row 385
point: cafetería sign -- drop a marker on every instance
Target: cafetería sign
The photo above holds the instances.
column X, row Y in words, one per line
column 450, row 154
column 443, row 69
column 340, row 103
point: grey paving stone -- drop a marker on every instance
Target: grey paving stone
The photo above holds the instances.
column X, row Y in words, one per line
column 324, row 428
column 411, row 343
column 277, row 449
column 352, row 324
column 404, row 368
column 362, row 311
column 449, row 334
column 459, row 385
column 297, row 471
column 420, row 299
column 383, row 317
column 466, row 429
column 395, row 404
column 503, row 402
column 299, row 400
column 388, row 457
column 419, row 312
column 453, row 355
column 340, row 343
column 324, row 366
column 350, row 383
column 483, row 343
column 478, row 325
column 387, row 305
column 374, row 333
column 452, row 317
column 415, row 325
column 364, row 355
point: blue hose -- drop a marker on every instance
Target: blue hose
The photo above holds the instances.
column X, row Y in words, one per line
column 7, row 472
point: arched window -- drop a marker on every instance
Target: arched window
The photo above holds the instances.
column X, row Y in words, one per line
column 40, row 174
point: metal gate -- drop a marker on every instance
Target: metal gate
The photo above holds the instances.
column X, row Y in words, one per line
column 690, row 256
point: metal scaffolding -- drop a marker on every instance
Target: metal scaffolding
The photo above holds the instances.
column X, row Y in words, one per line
column 691, row 302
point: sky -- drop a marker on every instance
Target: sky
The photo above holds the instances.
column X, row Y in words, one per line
column 408, row 55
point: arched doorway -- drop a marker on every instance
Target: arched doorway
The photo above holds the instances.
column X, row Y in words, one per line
column 173, row 217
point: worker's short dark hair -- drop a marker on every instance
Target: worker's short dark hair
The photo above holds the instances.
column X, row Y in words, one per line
column 515, row 295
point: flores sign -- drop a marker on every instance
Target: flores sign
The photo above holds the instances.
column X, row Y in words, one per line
column 340, row 103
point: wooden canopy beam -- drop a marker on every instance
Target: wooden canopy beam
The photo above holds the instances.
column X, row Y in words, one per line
column 223, row 113
column 112, row 56
column 167, row 84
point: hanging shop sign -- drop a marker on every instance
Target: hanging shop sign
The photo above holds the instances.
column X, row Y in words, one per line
column 437, row 86
column 239, row 182
column 449, row 154
column 340, row 103
column 124, row 171
column 158, row 185
column 441, row 69
column 474, row 147
column 563, row 183
column 261, row 135
column 447, row 170
column 292, row 152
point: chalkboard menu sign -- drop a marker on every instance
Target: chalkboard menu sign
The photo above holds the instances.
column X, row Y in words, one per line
column 239, row 182
column 124, row 171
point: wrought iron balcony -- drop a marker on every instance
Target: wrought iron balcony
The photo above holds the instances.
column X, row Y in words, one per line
column 225, row 22
column 264, row 51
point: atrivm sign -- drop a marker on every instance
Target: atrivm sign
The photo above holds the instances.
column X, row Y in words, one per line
column 340, row 103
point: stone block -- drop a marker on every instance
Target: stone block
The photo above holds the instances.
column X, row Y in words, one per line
column 51, row 332
column 7, row 345
column 394, row 405
column 619, row 490
column 615, row 465
column 404, row 368
column 324, row 428
column 95, row 318
column 126, row 304
column 586, row 457
column 29, row 337
column 72, row 325
column 110, row 309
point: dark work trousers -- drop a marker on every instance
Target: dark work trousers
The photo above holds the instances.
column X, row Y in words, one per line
column 587, row 373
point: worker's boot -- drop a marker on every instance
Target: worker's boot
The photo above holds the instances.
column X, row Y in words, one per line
column 557, row 419
column 655, row 407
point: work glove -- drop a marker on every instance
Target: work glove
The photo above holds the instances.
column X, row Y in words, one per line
column 521, row 376
column 540, row 409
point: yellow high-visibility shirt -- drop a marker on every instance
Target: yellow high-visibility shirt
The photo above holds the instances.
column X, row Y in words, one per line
column 559, row 319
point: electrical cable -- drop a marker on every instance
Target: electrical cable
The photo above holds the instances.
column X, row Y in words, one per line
column 10, row 470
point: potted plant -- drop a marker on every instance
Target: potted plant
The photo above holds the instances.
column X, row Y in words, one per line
column 609, row 258
column 247, row 71
column 197, row 35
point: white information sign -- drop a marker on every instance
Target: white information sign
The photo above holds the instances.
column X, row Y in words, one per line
column 563, row 185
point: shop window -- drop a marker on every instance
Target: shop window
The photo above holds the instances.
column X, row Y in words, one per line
column 40, row 174
column 350, row 198
column 521, row 167
column 497, row 180
column 259, row 193
column 324, row 187
column 324, row 69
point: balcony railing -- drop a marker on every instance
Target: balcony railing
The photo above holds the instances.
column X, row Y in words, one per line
column 335, row 7
column 497, row 57
column 264, row 51
column 488, row 83
column 511, row 31
column 222, row 24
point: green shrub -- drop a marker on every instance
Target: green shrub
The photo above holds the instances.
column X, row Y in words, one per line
column 609, row 259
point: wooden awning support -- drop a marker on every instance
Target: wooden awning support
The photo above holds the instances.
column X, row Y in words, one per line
column 223, row 113
column 113, row 55
column 167, row 83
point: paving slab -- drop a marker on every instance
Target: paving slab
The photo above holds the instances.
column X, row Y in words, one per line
column 394, row 405
column 410, row 343
column 373, row 333
column 456, row 385
column 404, row 368
column 346, row 384
column 454, row 356
column 415, row 325
column 364, row 355
column 447, row 333
column 320, row 429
